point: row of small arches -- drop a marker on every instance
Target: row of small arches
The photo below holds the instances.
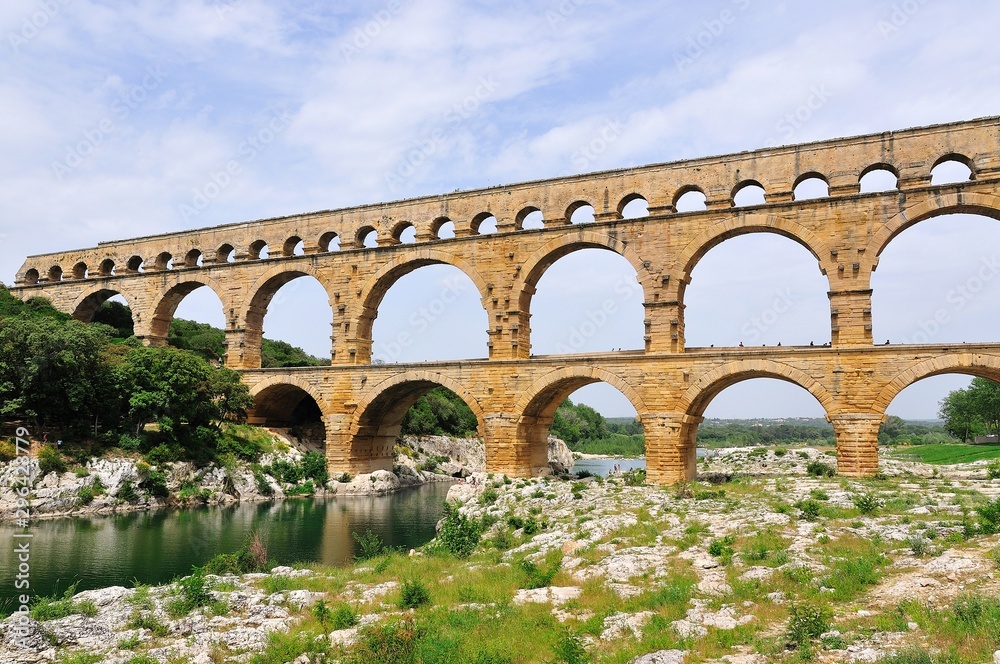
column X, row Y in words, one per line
column 880, row 177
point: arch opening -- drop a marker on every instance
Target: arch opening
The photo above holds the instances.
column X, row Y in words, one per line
column 88, row 307
column 810, row 186
column 634, row 206
column 107, row 268
column 292, row 411
column 31, row 276
column 367, row 237
column 877, row 178
column 530, row 218
column 116, row 313
column 484, row 224
column 580, row 213
column 55, row 273
column 753, row 289
column 380, row 421
column 329, row 242
column 80, row 271
column 293, row 309
column 190, row 327
column 587, row 413
column 405, row 233
column 936, row 282
column 747, row 193
column 426, row 311
column 690, row 199
column 136, row 264
column 952, row 169
column 585, row 299
column 294, row 246
column 225, row 254
column 258, row 250
column 194, row 258
column 164, row 261
column 443, row 228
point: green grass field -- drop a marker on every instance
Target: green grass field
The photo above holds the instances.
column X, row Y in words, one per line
column 949, row 453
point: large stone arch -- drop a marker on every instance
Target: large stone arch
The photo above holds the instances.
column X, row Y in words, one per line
column 536, row 265
column 259, row 298
column 167, row 300
column 745, row 224
column 697, row 397
column 278, row 402
column 537, row 405
column 379, row 284
column 987, row 205
column 973, row 364
column 378, row 417
column 87, row 304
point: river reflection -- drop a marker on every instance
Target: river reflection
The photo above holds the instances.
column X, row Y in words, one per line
column 154, row 547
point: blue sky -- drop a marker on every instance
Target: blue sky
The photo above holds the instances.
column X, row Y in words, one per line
column 118, row 118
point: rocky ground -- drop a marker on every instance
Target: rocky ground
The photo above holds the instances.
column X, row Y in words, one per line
column 759, row 561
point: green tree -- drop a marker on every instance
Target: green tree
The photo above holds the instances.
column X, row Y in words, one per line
column 440, row 412
column 985, row 396
column 961, row 415
column 117, row 316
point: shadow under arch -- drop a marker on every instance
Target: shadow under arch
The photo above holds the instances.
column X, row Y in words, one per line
column 261, row 294
column 375, row 289
column 378, row 418
column 285, row 402
column 170, row 298
column 985, row 205
column 537, row 406
column 536, row 265
column 86, row 305
column 979, row 365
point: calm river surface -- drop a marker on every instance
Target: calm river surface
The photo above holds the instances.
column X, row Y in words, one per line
column 154, row 547
column 603, row 465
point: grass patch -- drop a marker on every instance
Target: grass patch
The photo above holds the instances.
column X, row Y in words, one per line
column 946, row 453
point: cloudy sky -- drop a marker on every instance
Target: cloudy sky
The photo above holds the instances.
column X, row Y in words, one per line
column 118, row 115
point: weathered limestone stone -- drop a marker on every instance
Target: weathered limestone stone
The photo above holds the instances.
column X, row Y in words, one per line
column 514, row 394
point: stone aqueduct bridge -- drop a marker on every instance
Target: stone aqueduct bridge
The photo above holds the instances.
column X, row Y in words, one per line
column 515, row 394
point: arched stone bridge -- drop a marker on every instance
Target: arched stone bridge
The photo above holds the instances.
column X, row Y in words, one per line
column 513, row 393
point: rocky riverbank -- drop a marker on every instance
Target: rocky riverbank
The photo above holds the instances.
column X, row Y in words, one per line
column 121, row 484
column 768, row 558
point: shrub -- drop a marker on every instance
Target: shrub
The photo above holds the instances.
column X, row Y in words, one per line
column 50, row 461
column 8, row 450
column 989, row 517
column 634, row 477
column 780, row 451
column 314, row 467
column 819, row 469
column 537, row 577
column 807, row 622
column 808, row 509
column 129, row 443
column 344, row 478
column 53, row 608
column 459, row 534
column 993, row 470
column 412, row 594
column 488, row 497
column 387, row 643
column 819, row 494
column 252, row 556
column 867, row 503
column 569, row 648
column 260, row 479
column 369, row 545
column 343, row 616
column 145, row 620
column 128, row 493
column 164, row 453
column 85, row 494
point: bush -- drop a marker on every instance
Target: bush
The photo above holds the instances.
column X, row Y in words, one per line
column 343, row 616
column 570, row 649
column 50, row 461
column 488, row 497
column 867, row 503
column 53, row 608
column 155, row 482
column 387, row 643
column 192, row 592
column 370, row 545
column 993, row 470
column 808, row 509
column 314, row 467
column 129, row 443
column 459, row 534
column 85, row 494
column 989, row 515
column 128, row 493
column 537, row 577
column 263, row 486
column 634, row 477
column 8, row 451
column 819, row 469
column 413, row 594
column 807, row 622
